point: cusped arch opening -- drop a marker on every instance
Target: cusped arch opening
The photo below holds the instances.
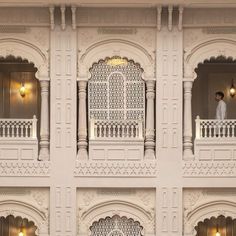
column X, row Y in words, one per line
column 116, row 226
column 17, row 226
column 216, row 226
column 28, row 51
column 113, row 47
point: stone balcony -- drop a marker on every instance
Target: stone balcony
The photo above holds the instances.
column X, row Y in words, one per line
column 214, row 149
column 18, row 139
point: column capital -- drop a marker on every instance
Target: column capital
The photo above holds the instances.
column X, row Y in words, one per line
column 188, row 85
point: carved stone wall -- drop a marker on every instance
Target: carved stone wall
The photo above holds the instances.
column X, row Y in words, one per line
column 200, row 204
column 95, row 204
column 30, row 203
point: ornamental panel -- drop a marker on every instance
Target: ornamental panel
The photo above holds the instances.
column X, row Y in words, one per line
column 116, row 226
column 116, row 92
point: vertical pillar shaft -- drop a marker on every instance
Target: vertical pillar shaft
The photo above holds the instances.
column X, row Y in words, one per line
column 82, row 122
column 188, row 145
column 44, row 121
column 150, row 123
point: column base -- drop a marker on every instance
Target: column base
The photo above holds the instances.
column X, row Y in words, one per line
column 149, row 154
column 82, row 154
column 44, row 154
column 44, row 151
column 188, row 155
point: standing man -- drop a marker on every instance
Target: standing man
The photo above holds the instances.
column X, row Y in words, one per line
column 221, row 110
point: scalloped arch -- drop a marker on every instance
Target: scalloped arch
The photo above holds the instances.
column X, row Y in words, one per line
column 206, row 49
column 25, row 210
column 208, row 210
column 115, row 47
column 128, row 209
column 25, row 50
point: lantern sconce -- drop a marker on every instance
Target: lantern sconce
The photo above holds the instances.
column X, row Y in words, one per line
column 22, row 90
column 232, row 90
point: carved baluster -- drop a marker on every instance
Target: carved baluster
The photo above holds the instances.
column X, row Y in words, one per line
column 214, row 130
column 118, row 131
column 113, row 130
column 12, row 129
column 210, row 131
column 3, row 131
column 233, row 130
column 21, row 130
column 132, row 131
column 17, row 130
column 109, row 130
column 228, row 131
column 8, row 130
column 223, row 131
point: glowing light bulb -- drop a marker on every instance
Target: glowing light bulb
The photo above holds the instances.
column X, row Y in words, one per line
column 218, row 233
column 22, row 93
column 21, row 233
column 232, row 92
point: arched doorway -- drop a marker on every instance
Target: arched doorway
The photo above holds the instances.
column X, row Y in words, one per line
column 17, row 226
column 215, row 74
column 116, row 226
column 220, row 226
column 24, row 110
column 19, row 90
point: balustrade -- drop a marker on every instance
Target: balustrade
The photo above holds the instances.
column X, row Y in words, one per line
column 18, row 128
column 209, row 129
column 120, row 129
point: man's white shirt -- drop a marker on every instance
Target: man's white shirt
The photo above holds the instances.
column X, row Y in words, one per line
column 221, row 110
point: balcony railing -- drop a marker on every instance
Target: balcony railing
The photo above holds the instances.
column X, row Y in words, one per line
column 215, row 129
column 18, row 128
column 115, row 130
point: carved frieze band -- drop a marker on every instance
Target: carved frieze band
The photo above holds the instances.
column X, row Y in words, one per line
column 116, row 169
column 200, row 169
column 30, row 168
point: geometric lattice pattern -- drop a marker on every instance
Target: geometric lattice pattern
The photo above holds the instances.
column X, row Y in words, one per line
column 116, row 92
column 116, row 226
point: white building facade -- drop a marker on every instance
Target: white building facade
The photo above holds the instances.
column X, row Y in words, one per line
column 123, row 140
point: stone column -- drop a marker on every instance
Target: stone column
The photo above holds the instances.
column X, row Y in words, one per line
column 150, row 123
column 82, row 121
column 188, row 145
column 44, row 121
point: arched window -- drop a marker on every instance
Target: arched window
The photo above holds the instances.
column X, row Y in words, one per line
column 220, row 226
column 116, row 91
column 116, row 226
column 15, row 226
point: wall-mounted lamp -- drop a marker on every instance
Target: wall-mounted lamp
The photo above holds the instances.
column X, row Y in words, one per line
column 217, row 231
column 22, row 90
column 232, row 90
